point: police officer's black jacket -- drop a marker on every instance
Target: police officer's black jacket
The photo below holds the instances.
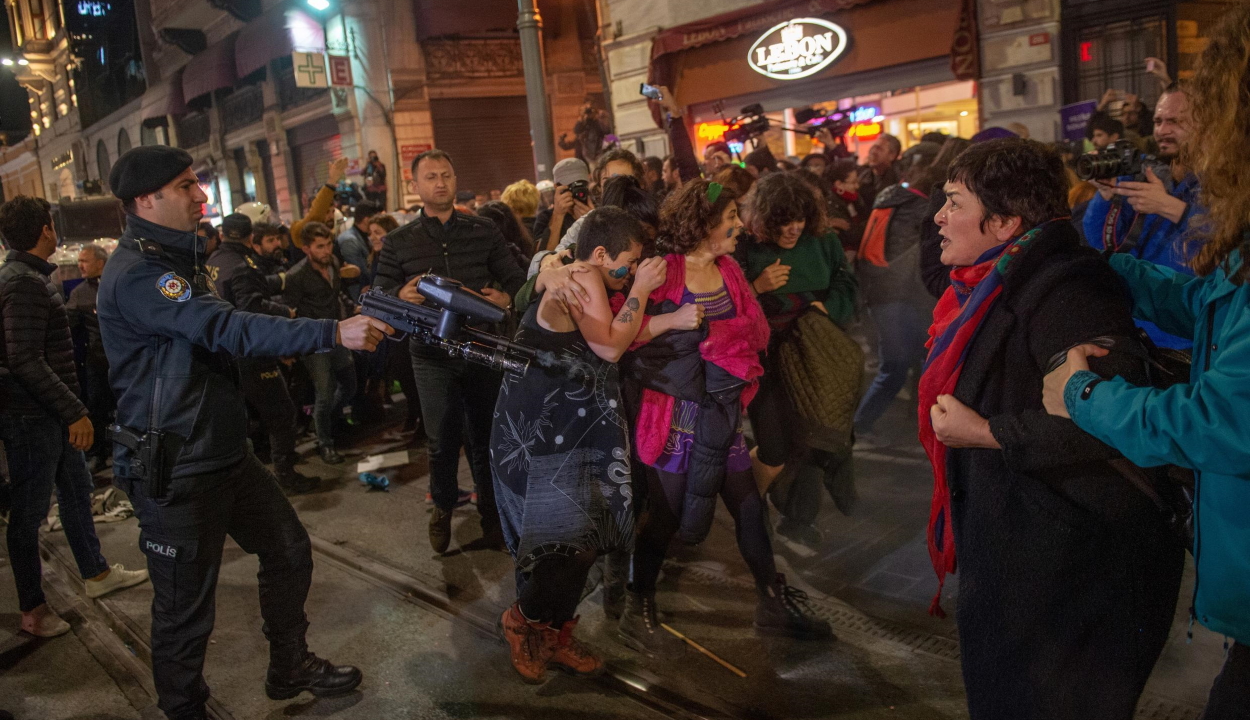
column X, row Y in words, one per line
column 238, row 277
column 468, row 248
column 37, row 372
column 168, row 342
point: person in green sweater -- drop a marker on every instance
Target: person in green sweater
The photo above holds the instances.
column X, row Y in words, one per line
column 795, row 264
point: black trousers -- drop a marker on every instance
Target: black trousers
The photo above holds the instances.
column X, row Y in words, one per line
column 458, row 407
column 552, row 589
column 1230, row 695
column 182, row 536
column 264, row 386
column 100, row 405
column 665, row 498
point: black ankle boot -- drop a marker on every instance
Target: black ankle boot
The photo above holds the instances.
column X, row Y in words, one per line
column 289, row 676
column 293, row 482
column 640, row 628
column 783, row 610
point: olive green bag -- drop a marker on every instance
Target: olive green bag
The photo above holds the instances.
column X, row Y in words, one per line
column 822, row 370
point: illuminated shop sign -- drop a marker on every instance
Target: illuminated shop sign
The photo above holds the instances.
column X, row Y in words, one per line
column 93, row 8
column 797, row 48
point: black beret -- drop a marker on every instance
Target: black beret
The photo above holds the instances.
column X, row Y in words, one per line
column 236, row 226
column 147, row 169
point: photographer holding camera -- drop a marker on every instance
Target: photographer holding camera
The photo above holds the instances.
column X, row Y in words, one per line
column 1147, row 214
column 572, row 200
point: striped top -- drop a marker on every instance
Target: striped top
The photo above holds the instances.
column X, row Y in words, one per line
column 717, row 305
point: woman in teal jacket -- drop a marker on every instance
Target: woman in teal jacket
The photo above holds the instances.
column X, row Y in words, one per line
column 1203, row 425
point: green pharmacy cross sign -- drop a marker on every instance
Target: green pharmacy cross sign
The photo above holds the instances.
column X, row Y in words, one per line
column 310, row 70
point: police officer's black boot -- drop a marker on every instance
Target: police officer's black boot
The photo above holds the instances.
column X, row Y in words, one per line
column 294, row 670
column 783, row 610
column 294, row 482
column 329, row 456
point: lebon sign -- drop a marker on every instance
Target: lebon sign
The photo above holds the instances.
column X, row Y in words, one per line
column 797, row 48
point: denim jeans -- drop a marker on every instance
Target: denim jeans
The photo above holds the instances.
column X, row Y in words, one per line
column 902, row 331
column 334, row 381
column 458, row 407
column 40, row 459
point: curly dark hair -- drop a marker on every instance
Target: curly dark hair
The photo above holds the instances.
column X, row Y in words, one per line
column 1012, row 177
column 840, row 171
column 783, row 198
column 687, row 216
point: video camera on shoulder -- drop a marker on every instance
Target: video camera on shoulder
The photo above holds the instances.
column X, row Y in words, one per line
column 750, row 124
column 1118, row 159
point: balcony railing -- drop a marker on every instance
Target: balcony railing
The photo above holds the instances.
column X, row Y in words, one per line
column 193, row 130
column 242, row 108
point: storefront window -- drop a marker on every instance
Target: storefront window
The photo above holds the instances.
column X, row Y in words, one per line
column 1112, row 56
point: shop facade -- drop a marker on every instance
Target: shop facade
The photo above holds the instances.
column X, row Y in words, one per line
column 888, row 62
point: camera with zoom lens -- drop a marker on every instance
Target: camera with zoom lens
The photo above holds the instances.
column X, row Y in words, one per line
column 580, row 190
column 750, row 124
column 1116, row 160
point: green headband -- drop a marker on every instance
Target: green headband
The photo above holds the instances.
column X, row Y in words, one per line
column 714, row 191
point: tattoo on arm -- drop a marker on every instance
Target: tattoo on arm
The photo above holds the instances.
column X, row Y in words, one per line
column 626, row 316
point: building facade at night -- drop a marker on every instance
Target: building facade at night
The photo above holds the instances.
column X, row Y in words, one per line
column 219, row 79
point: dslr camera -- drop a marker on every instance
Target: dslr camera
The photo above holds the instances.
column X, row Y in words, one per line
column 1116, row 160
column 580, row 190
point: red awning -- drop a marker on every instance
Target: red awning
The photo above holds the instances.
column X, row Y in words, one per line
column 727, row 26
column 164, row 99
column 279, row 32
column 210, row 70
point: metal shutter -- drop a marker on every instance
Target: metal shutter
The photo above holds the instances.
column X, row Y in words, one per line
column 313, row 145
column 488, row 140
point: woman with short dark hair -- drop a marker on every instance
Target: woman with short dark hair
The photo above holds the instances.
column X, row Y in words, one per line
column 560, row 447
column 1068, row 572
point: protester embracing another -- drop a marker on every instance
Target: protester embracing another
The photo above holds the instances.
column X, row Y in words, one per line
column 560, row 447
column 688, row 431
column 1202, row 425
column 1068, row 574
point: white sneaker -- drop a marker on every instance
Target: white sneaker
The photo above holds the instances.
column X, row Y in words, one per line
column 119, row 577
column 42, row 622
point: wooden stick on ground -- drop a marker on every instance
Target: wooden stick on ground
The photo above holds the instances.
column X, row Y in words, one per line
column 705, row 651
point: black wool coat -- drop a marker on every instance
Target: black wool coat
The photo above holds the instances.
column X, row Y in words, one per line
column 1068, row 576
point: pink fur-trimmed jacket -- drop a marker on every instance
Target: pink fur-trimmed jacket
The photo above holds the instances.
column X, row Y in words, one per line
column 734, row 345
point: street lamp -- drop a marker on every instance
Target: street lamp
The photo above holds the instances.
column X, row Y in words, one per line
column 7, row 62
column 318, row 5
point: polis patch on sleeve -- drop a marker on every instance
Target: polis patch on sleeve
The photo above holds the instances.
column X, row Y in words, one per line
column 174, row 287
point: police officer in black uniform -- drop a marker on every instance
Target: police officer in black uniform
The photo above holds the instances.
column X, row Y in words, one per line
column 180, row 444
column 238, row 277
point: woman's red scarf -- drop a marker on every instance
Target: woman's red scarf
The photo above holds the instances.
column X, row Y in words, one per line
column 956, row 320
column 733, row 344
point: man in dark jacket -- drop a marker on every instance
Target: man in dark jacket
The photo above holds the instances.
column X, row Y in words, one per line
column 43, row 424
column 181, row 450
column 235, row 270
column 880, row 172
column 95, row 365
column 471, row 250
column 314, row 288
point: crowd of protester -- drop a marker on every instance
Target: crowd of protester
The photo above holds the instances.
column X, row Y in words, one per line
column 1064, row 342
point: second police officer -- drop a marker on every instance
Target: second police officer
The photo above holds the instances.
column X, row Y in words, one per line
column 181, row 449
column 238, row 276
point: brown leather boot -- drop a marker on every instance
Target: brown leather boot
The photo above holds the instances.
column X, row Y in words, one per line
column 570, row 654
column 528, row 642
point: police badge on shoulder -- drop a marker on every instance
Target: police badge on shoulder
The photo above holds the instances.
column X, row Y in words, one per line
column 173, row 287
